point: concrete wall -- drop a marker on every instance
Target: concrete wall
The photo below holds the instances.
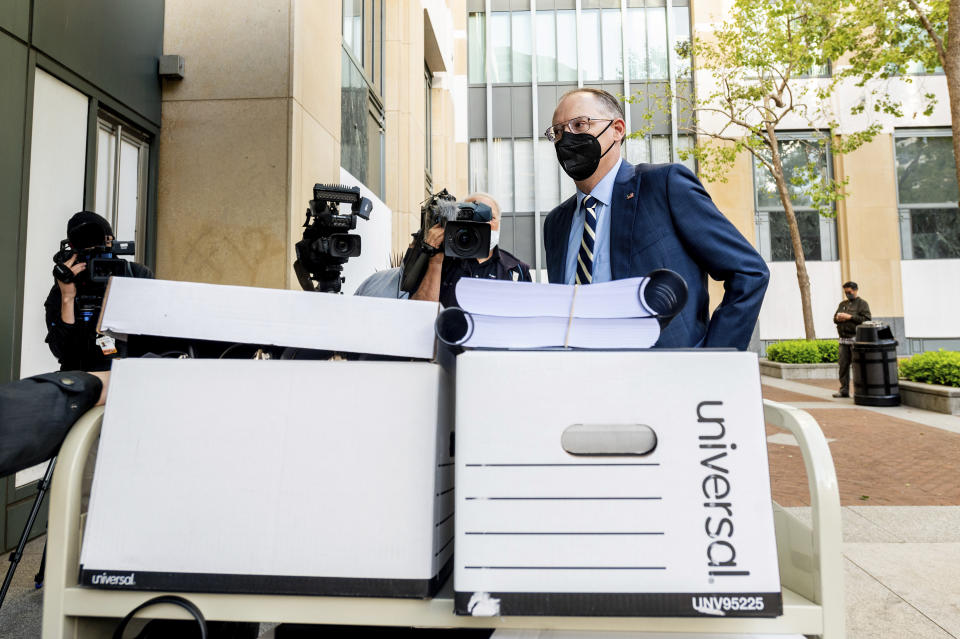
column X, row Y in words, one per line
column 256, row 123
column 404, row 105
column 868, row 226
column 225, row 176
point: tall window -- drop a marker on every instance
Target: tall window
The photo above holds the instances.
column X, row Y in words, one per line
column 927, row 194
column 656, row 149
column 476, row 48
column 121, row 181
column 601, row 52
column 817, row 233
column 556, row 46
column 361, row 86
column 428, row 129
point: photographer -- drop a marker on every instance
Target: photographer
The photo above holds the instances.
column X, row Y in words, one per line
column 72, row 308
column 440, row 280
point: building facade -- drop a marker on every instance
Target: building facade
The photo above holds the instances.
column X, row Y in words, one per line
column 80, row 107
column 895, row 234
column 211, row 172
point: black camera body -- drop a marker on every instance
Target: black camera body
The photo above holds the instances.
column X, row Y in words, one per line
column 327, row 243
column 466, row 235
column 102, row 264
column 466, row 225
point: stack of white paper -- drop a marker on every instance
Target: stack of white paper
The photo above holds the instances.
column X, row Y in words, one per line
column 503, row 314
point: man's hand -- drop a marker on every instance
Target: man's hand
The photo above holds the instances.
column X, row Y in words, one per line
column 70, row 290
column 843, row 317
column 429, row 289
column 434, row 236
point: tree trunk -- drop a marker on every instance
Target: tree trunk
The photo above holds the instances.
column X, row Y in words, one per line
column 951, row 68
column 802, row 278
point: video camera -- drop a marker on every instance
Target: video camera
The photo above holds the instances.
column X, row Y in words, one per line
column 90, row 244
column 326, row 245
column 466, row 235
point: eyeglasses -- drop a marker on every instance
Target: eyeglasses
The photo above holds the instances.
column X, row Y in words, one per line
column 579, row 124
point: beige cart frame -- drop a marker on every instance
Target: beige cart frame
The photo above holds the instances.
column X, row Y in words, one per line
column 811, row 569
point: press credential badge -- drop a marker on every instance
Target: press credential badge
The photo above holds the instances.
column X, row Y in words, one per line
column 107, row 344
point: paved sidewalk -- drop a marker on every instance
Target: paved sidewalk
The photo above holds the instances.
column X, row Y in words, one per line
column 898, row 470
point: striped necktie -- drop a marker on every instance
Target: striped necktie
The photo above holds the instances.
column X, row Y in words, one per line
column 585, row 257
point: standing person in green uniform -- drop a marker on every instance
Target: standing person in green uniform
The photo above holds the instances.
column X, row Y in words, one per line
column 852, row 312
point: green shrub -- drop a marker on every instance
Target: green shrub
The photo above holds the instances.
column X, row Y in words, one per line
column 934, row 367
column 804, row 351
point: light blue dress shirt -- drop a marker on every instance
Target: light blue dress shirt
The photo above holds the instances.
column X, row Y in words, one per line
column 603, row 191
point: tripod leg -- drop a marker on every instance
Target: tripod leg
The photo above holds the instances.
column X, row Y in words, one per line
column 38, row 578
column 17, row 554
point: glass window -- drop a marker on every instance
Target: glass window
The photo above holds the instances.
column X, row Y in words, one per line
column 500, row 41
column 636, row 43
column 476, row 45
column 522, row 52
column 353, row 121
column 567, row 46
column 590, row 53
column 781, row 246
column 523, row 192
column 612, row 49
column 660, row 149
column 927, row 195
column 795, row 154
column 935, row 234
column 353, row 28
column 478, row 165
column 546, row 46
column 656, row 149
column 817, row 233
column 681, row 33
column 926, row 172
column 428, row 127
column 656, row 23
column 548, row 175
column 501, row 181
column 121, row 182
column 362, row 115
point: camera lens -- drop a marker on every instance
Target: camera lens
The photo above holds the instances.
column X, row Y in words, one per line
column 466, row 241
column 341, row 246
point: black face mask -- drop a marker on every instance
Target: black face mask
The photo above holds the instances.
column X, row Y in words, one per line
column 851, row 296
column 579, row 153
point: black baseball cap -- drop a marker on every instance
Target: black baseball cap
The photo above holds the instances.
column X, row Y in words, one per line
column 86, row 229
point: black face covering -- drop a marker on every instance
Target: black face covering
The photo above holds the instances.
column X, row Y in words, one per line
column 579, row 153
column 851, row 296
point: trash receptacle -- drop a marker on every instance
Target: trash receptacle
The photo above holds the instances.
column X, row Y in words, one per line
column 875, row 366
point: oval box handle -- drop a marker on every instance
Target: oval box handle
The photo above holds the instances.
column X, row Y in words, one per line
column 609, row 439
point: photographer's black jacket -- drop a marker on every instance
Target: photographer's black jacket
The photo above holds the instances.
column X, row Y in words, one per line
column 501, row 266
column 36, row 413
column 74, row 345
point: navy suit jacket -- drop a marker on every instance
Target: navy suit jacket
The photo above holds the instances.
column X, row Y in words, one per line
column 663, row 218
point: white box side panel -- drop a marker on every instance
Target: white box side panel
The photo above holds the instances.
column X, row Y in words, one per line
column 291, row 468
column 532, row 518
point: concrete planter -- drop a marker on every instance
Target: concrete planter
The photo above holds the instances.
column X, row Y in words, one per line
column 941, row 399
column 798, row 371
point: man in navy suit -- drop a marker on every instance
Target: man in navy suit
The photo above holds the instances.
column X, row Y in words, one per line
column 626, row 221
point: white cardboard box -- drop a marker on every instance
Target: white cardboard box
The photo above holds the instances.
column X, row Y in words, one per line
column 685, row 530
column 295, row 477
column 249, row 315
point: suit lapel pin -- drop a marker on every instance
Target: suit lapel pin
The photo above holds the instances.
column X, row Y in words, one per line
column 629, row 195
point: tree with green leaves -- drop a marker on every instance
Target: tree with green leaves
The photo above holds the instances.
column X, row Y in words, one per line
column 912, row 35
column 762, row 69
